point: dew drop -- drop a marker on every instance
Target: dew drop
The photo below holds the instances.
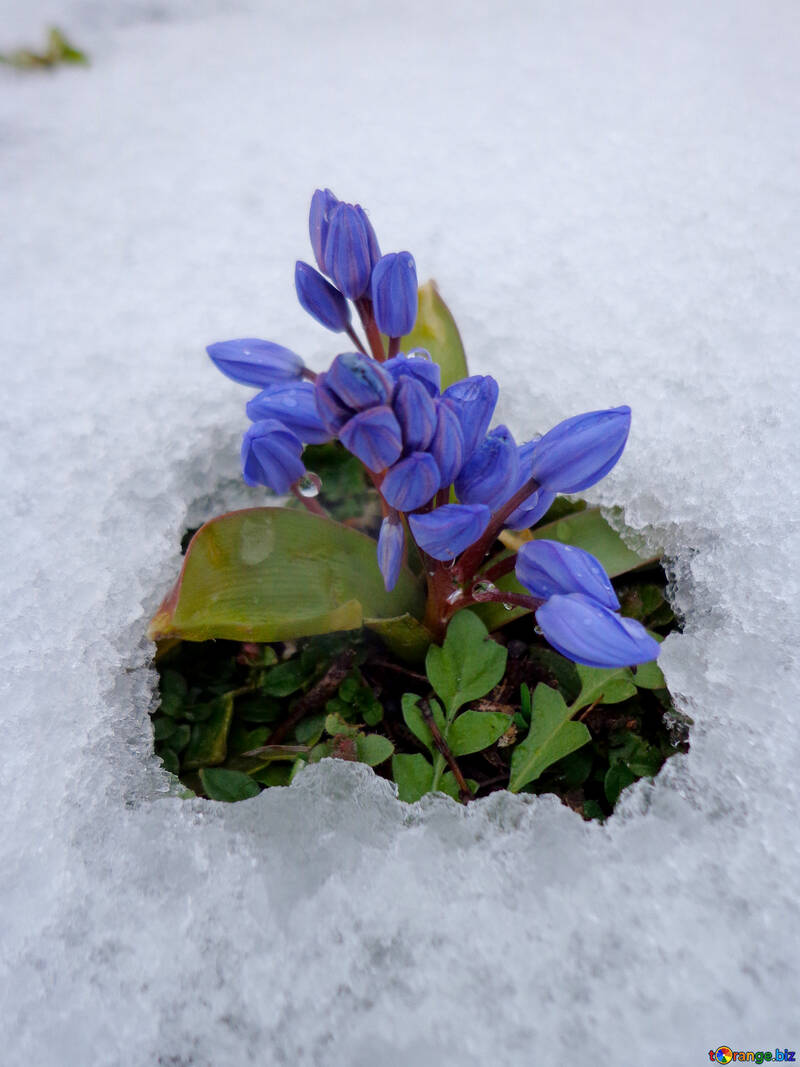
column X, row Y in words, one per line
column 420, row 353
column 484, row 587
column 454, row 596
column 309, row 485
column 538, row 630
column 508, row 607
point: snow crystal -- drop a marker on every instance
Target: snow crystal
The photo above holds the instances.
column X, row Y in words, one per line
column 607, row 195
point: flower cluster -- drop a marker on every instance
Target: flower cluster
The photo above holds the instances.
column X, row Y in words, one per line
column 445, row 478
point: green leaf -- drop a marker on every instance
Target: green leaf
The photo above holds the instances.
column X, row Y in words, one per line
column 309, row 731
column 585, row 529
column 414, row 776
column 170, row 760
column 403, row 635
column 468, row 665
column 163, row 728
column 221, row 784
column 449, row 785
column 552, row 736
column 287, row 678
column 473, row 731
column 271, row 574
column 415, row 720
column 436, row 331
column 209, row 741
column 618, row 776
column 374, row 749
column 604, row 686
column 649, row 676
column 336, row 726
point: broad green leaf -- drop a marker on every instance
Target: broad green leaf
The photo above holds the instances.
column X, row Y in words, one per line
column 414, row 776
column 287, row 678
column 271, row 574
column 552, row 736
column 604, row 686
column 618, row 776
column 336, row 726
column 468, row 665
column 473, row 731
column 222, row 784
column 449, row 785
column 649, row 676
column 415, row 720
column 585, row 529
column 436, row 331
column 374, row 749
column 403, row 635
column 209, row 740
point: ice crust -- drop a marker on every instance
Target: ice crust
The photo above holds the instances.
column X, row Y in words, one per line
column 607, row 196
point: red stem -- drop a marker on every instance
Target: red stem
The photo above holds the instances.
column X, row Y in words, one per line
column 351, row 333
column 364, row 309
column 473, row 557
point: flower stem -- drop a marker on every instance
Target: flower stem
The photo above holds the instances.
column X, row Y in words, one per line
column 310, row 503
column 473, row 557
column 364, row 309
column 351, row 333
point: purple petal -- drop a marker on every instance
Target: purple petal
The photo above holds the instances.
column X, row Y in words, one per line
column 586, row 632
column 374, row 436
column 271, row 456
column 250, row 361
column 417, row 364
column 548, row 568
column 490, row 474
column 390, row 551
column 320, row 299
column 581, row 450
column 416, row 413
column 394, row 293
column 445, row 532
column 411, row 482
column 295, row 405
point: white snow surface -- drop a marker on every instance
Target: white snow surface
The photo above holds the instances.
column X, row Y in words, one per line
column 607, row 195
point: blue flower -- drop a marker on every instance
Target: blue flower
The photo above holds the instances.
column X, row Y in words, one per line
column 473, row 400
column 548, row 568
column 320, row 299
column 447, row 444
column 271, row 456
column 374, row 436
column 586, row 632
column 295, row 405
column 390, row 550
column 349, row 250
column 490, row 474
column 394, row 293
column 417, row 364
column 411, row 482
column 358, row 381
column 322, row 204
column 581, row 450
column 538, row 503
column 415, row 412
column 250, row 361
column 445, row 532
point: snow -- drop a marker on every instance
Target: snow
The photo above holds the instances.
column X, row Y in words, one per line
column 607, row 196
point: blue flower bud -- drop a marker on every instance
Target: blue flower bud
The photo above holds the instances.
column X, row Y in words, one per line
column 490, row 474
column 415, row 412
column 581, row 450
column 586, row 632
column 391, row 540
column 411, row 482
column 320, row 299
column 295, row 405
column 419, row 366
column 538, row 503
column 446, row 531
column 348, row 253
column 548, row 568
column 253, row 362
column 447, row 444
column 271, row 456
column 394, row 293
column 473, row 400
column 322, row 204
column 358, row 381
column 374, row 436
column 372, row 240
column 333, row 413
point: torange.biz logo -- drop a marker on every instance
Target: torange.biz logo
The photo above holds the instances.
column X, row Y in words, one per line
column 727, row 1055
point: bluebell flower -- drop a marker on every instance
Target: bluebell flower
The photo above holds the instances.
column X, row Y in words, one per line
column 445, row 532
column 322, row 204
column 250, row 361
column 447, row 444
column 394, row 293
column 473, row 400
column 358, row 381
column 411, row 482
column 374, row 436
column 391, row 541
column 320, row 299
column 538, row 503
column 581, row 450
column 417, row 364
column 271, row 456
column 295, row 405
column 490, row 474
column 415, row 412
column 586, row 632
column 548, row 568
column 333, row 413
column 348, row 251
